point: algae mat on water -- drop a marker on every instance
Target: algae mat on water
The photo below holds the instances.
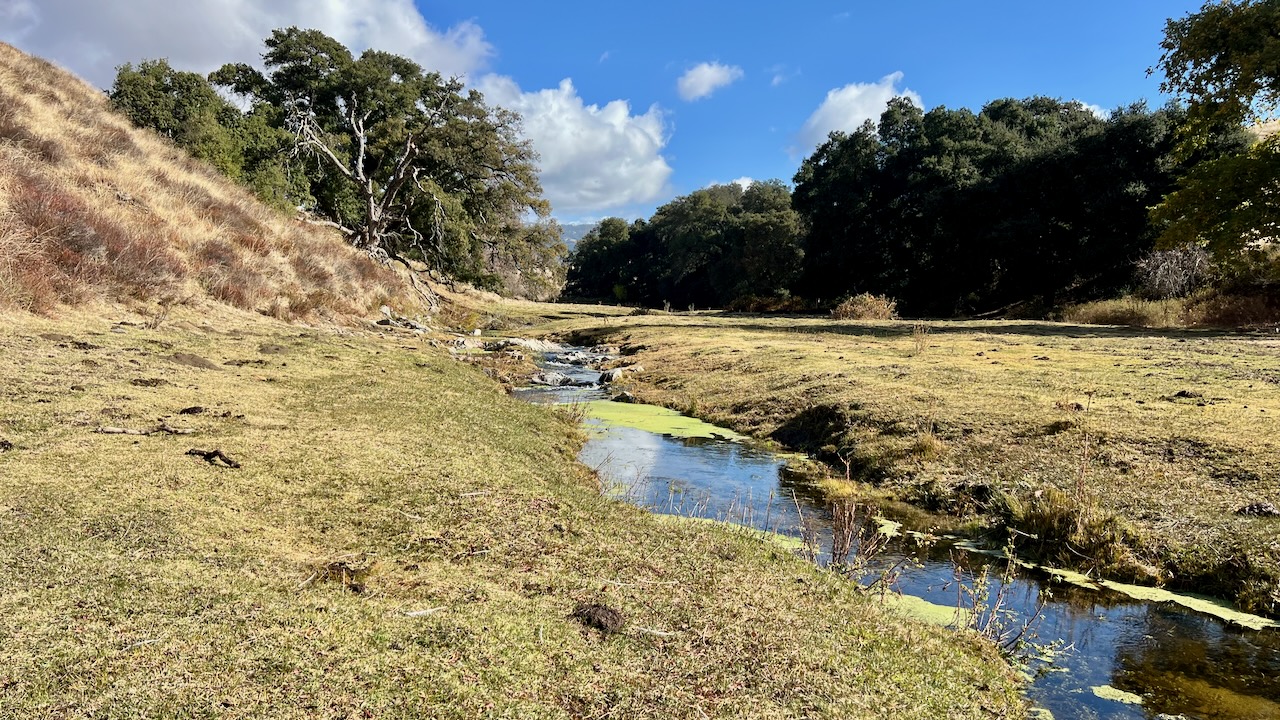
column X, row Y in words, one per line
column 655, row 419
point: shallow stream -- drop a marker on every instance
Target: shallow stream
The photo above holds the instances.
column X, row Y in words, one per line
column 1096, row 652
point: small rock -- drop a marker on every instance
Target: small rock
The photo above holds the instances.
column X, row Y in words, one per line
column 1261, row 509
column 551, row 379
column 193, row 410
column 600, row 617
column 476, row 332
column 77, row 388
column 1188, row 394
column 624, row 397
column 5, row 446
column 611, row 376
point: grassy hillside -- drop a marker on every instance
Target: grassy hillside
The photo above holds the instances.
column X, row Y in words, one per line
column 1122, row 450
column 92, row 209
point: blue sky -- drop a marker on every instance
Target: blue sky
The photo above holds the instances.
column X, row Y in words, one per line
column 600, row 83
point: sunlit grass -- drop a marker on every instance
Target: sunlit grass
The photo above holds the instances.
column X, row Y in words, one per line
column 403, row 540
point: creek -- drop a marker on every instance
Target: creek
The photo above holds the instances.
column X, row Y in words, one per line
column 1105, row 651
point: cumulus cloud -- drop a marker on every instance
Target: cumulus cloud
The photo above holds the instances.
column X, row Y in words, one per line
column 745, row 182
column 1098, row 111
column 91, row 37
column 703, row 79
column 595, row 159
column 846, row 108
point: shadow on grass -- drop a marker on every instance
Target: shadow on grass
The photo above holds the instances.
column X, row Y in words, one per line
column 903, row 328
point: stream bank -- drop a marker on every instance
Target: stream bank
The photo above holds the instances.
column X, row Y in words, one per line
column 1112, row 650
column 1135, row 456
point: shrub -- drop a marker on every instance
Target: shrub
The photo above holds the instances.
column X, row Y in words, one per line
column 1173, row 273
column 866, row 307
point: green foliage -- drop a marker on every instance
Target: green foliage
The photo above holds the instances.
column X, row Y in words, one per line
column 1228, row 205
column 1225, row 59
column 185, row 107
column 410, row 164
column 708, row 248
column 1034, row 201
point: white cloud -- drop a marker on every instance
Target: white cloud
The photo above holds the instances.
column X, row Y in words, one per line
column 1098, row 111
column 91, row 37
column 745, row 182
column 703, row 79
column 781, row 74
column 846, row 108
column 594, row 159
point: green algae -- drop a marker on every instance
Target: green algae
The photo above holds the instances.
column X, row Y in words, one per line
column 1220, row 609
column 654, row 419
column 932, row 613
column 888, row 528
column 1106, row 692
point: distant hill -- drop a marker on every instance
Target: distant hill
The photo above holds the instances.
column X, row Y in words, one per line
column 571, row 233
column 92, row 209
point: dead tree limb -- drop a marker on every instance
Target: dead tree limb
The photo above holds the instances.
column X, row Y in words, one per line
column 213, row 456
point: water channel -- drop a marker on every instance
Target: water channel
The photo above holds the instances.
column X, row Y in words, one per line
column 1106, row 654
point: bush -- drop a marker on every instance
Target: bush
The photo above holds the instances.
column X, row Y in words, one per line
column 866, row 307
column 1173, row 273
column 774, row 304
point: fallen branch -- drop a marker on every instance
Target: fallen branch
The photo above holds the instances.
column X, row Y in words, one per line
column 212, row 456
column 161, row 429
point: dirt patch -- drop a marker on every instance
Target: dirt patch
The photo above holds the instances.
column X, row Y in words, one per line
column 194, row 361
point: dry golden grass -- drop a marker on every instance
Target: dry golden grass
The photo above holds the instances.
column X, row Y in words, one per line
column 1206, row 309
column 401, row 541
column 1125, row 450
column 93, row 209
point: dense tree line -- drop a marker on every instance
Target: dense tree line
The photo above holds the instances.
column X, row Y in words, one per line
column 408, row 164
column 1027, row 202
column 706, row 248
column 1031, row 202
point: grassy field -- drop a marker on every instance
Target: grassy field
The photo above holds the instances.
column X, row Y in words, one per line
column 1123, row 451
column 400, row 540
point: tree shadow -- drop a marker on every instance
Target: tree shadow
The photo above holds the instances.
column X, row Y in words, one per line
column 903, row 328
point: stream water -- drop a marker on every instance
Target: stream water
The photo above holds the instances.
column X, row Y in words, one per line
column 1107, row 655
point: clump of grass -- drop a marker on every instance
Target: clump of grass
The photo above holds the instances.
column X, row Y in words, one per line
column 927, row 447
column 866, row 307
column 919, row 338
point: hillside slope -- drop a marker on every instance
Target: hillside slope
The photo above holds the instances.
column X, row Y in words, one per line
column 93, row 209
